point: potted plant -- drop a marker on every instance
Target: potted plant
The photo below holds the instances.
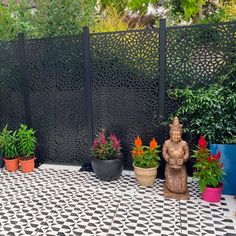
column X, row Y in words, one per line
column 107, row 160
column 211, row 111
column 1, row 156
column 26, row 143
column 145, row 161
column 208, row 171
column 9, row 149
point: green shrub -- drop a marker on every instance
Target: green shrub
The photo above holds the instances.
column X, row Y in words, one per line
column 210, row 110
column 26, row 142
column 8, row 143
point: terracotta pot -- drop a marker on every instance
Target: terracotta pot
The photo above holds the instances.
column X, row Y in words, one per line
column 145, row 176
column 212, row 194
column 12, row 164
column 1, row 160
column 27, row 165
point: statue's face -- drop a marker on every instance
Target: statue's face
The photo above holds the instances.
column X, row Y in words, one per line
column 176, row 136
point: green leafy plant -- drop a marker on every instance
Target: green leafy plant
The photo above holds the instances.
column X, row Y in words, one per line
column 26, row 142
column 145, row 156
column 46, row 18
column 208, row 169
column 9, row 143
column 210, row 110
column 112, row 21
column 106, row 148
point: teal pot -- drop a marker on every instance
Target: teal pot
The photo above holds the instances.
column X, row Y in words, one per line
column 228, row 157
column 108, row 170
column 1, row 160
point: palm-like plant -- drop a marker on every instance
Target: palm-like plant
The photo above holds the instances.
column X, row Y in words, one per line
column 8, row 143
column 26, row 142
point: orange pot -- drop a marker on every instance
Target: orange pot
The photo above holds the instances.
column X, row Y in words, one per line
column 12, row 165
column 27, row 166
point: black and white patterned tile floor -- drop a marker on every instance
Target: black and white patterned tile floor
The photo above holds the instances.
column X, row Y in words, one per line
column 68, row 202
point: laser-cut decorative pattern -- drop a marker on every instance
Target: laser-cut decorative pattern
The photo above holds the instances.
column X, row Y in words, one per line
column 55, row 71
column 11, row 97
column 196, row 56
column 125, row 75
column 125, row 80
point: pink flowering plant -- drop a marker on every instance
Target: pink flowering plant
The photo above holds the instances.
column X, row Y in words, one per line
column 106, row 148
column 208, row 169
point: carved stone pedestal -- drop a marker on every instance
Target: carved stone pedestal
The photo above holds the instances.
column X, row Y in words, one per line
column 177, row 196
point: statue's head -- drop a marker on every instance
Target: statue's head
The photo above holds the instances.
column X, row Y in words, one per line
column 176, row 130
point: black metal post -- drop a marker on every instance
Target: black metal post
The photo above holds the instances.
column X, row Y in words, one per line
column 88, row 85
column 25, row 80
column 162, row 70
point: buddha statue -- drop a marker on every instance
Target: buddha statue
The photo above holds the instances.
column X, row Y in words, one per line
column 176, row 153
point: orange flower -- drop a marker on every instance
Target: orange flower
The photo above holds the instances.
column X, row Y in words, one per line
column 138, row 142
column 153, row 144
column 134, row 153
column 139, row 153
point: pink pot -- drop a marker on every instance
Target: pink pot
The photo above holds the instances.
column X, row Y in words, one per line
column 212, row 194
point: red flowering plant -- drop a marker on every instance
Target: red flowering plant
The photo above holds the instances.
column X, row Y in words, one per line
column 145, row 156
column 208, row 169
column 106, row 148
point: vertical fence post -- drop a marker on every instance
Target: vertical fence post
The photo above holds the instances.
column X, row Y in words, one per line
column 88, row 86
column 162, row 71
column 25, row 79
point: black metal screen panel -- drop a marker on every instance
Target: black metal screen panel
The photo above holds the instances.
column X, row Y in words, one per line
column 56, row 75
column 125, row 72
column 196, row 56
column 11, row 97
column 125, row 82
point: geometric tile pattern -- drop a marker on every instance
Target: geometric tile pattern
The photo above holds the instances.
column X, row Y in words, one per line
column 64, row 202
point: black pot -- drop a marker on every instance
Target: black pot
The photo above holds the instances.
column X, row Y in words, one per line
column 108, row 169
column 1, row 159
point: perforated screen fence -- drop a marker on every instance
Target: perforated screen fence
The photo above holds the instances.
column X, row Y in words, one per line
column 11, row 99
column 197, row 56
column 57, row 98
column 123, row 69
column 125, row 75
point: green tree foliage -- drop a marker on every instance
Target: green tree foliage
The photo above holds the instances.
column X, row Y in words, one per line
column 191, row 7
column 63, row 17
column 118, row 5
column 16, row 18
column 140, row 6
column 201, row 11
column 184, row 9
column 112, row 21
column 225, row 11
column 48, row 18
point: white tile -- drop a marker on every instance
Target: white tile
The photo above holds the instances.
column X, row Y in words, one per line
column 231, row 205
column 125, row 172
column 132, row 173
column 58, row 197
column 59, row 167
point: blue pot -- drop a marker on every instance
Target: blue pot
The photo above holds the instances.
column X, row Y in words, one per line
column 228, row 157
